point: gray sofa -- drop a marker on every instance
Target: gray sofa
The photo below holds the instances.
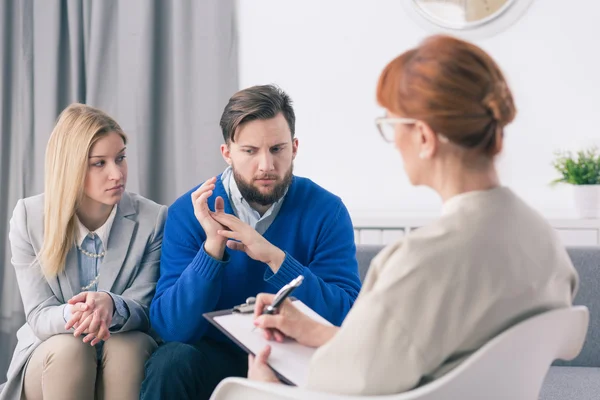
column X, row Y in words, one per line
column 578, row 379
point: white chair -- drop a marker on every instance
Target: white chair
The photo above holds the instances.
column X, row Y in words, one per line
column 510, row 366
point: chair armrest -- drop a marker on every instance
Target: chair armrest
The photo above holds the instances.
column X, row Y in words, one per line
column 244, row 389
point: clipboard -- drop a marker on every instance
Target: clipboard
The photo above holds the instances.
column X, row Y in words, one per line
column 289, row 360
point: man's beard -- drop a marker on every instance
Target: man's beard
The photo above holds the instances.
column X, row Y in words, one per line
column 253, row 195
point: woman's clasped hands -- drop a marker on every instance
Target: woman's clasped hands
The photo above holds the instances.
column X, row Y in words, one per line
column 91, row 314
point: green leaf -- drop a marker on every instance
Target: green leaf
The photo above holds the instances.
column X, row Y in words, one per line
column 583, row 168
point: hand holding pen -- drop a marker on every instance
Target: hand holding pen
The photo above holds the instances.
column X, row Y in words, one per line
column 276, row 302
column 273, row 304
column 285, row 320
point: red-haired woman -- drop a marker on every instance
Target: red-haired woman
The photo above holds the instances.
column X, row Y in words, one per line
column 436, row 296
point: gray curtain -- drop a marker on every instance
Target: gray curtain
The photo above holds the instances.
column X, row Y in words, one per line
column 163, row 69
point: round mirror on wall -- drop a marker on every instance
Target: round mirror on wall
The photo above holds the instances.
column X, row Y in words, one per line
column 470, row 18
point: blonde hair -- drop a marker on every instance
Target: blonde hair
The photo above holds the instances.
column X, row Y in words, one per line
column 78, row 127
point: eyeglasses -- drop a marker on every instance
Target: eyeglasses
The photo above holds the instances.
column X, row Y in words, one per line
column 387, row 126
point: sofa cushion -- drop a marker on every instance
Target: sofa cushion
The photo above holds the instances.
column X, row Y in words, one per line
column 364, row 255
column 587, row 262
column 571, row 383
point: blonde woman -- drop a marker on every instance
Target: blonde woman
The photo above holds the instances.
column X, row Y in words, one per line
column 86, row 255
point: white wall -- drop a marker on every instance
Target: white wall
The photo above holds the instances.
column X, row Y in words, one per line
column 328, row 54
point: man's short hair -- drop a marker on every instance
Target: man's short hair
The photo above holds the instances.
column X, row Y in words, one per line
column 256, row 102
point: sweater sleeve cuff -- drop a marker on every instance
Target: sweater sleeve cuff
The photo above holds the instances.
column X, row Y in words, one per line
column 207, row 266
column 289, row 270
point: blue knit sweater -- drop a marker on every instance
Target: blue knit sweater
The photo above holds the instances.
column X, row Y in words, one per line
column 314, row 230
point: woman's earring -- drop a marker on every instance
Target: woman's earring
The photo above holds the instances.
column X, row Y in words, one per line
column 422, row 156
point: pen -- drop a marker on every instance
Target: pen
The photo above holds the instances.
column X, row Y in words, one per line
column 283, row 294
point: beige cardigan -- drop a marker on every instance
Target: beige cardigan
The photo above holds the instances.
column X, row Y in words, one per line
column 439, row 294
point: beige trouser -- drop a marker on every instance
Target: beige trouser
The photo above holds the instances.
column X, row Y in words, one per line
column 64, row 368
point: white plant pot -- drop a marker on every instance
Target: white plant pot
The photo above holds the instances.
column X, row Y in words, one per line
column 587, row 200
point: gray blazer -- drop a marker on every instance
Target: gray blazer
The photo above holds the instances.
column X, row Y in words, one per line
column 130, row 269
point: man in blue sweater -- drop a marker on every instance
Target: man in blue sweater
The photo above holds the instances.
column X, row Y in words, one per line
column 251, row 229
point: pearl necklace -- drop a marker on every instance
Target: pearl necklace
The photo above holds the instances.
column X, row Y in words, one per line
column 91, row 285
column 92, row 255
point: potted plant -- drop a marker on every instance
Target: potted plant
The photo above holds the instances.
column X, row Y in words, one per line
column 582, row 171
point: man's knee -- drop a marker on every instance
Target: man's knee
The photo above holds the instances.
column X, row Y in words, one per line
column 173, row 358
column 172, row 372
